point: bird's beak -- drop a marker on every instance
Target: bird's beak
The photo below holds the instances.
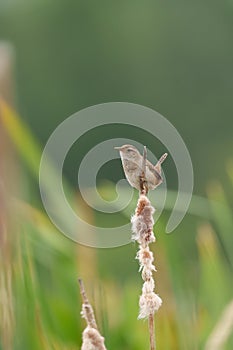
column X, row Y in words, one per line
column 118, row 148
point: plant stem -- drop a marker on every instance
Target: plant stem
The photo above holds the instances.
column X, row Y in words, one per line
column 152, row 332
column 87, row 308
column 142, row 178
column 142, row 228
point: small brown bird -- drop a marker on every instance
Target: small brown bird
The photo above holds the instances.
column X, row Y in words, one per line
column 132, row 162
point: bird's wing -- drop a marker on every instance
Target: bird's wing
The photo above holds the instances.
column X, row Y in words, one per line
column 131, row 166
column 154, row 171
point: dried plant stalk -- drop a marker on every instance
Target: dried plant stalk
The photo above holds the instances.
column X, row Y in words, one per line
column 142, row 227
column 92, row 339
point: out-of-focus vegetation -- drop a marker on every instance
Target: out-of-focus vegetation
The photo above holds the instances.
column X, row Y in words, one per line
column 175, row 57
column 39, row 294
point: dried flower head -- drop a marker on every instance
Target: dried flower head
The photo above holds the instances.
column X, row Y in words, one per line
column 142, row 227
column 92, row 340
column 141, row 174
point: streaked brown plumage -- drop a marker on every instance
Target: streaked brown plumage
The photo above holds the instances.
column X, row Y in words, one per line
column 132, row 162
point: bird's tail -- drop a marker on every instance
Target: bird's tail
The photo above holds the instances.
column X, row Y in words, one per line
column 160, row 161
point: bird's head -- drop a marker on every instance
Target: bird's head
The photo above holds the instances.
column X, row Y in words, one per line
column 128, row 152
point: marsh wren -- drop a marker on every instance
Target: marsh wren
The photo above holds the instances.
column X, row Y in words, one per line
column 133, row 165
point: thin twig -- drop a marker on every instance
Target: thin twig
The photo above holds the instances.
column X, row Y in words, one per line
column 87, row 308
column 142, row 179
column 144, row 160
column 82, row 291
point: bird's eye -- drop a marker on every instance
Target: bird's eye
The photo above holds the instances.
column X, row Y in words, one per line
column 129, row 150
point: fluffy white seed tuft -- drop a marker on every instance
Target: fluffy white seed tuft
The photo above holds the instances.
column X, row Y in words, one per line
column 142, row 228
column 149, row 303
column 92, row 340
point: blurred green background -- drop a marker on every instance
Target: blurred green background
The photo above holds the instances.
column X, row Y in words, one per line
column 174, row 57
